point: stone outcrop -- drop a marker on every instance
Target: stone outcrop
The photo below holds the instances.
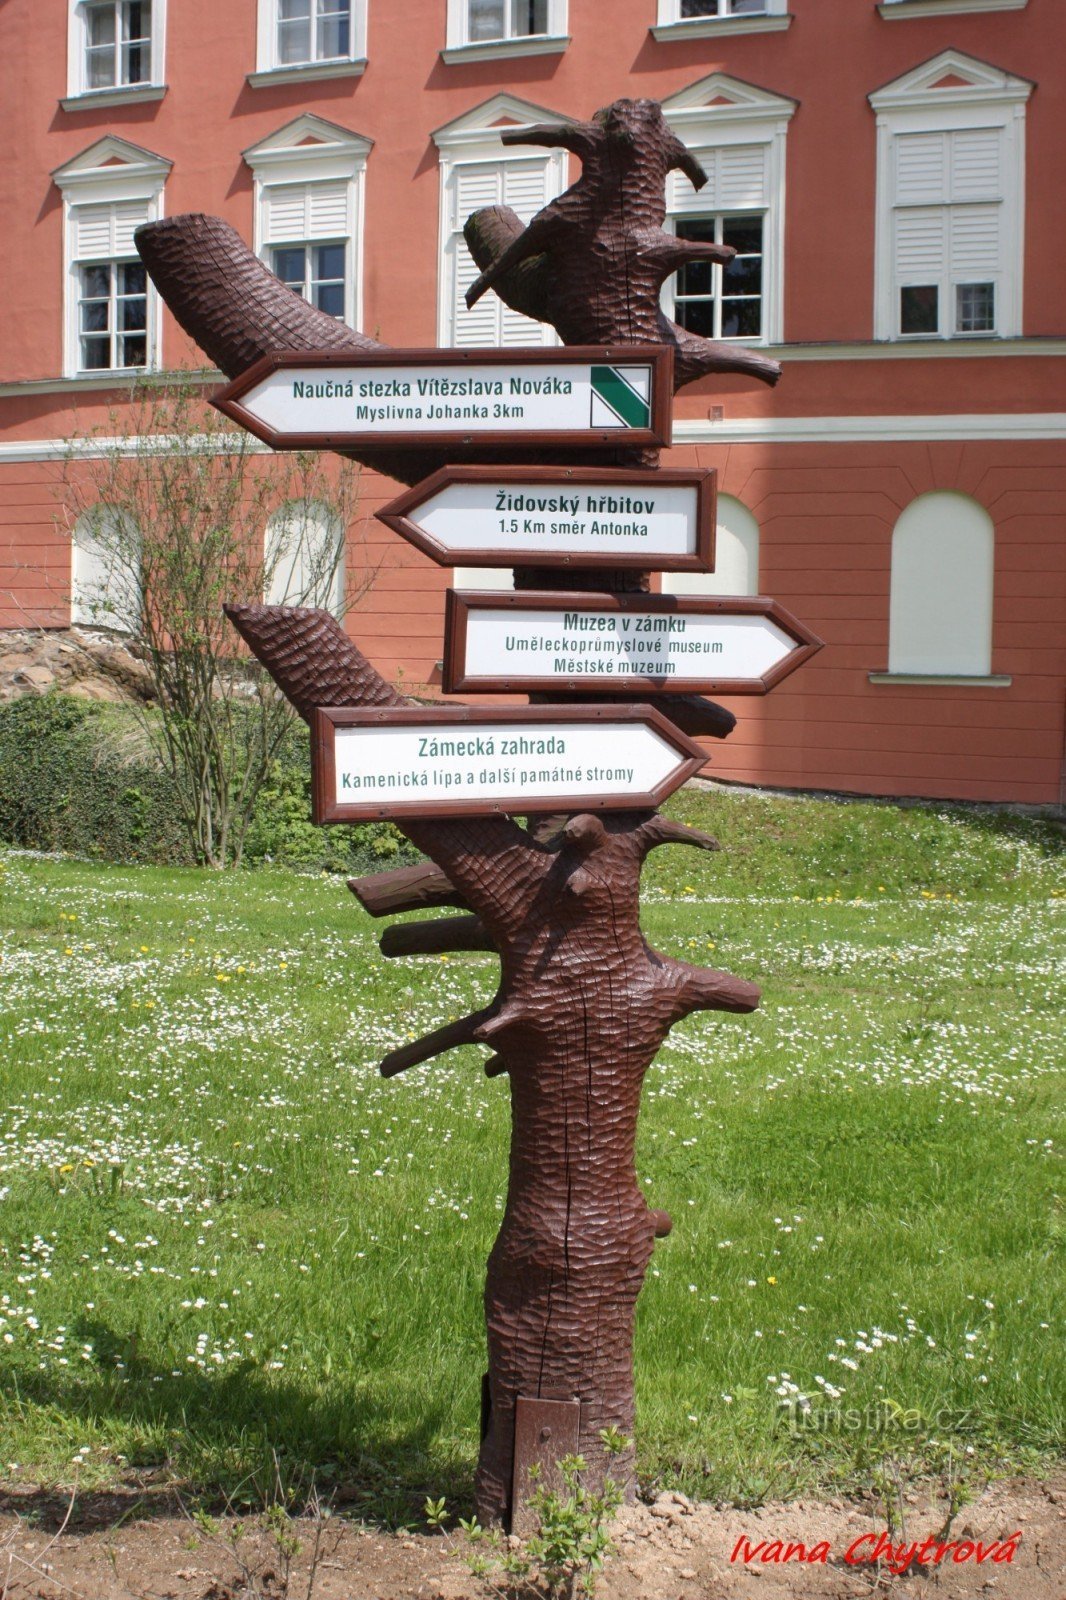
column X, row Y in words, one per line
column 91, row 663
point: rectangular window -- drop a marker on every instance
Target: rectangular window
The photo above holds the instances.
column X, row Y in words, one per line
column 522, row 184
column 505, row 19
column 316, row 271
column 948, row 231
column 722, row 302
column 118, row 43
column 112, row 315
column 313, row 30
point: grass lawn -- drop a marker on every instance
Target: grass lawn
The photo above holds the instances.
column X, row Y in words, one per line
column 222, row 1235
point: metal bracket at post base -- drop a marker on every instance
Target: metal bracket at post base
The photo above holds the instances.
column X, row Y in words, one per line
column 544, row 1432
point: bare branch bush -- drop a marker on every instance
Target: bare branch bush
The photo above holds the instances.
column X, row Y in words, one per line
column 173, row 510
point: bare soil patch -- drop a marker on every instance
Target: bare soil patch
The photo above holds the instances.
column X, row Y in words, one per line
column 129, row 1548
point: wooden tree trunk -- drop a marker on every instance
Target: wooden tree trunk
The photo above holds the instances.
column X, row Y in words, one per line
column 583, row 1003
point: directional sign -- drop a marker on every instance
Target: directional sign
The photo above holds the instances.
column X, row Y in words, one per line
column 560, row 517
column 656, row 644
column 457, row 761
column 582, row 395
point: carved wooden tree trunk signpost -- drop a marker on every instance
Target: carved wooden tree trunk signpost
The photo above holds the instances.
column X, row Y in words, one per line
column 583, row 1003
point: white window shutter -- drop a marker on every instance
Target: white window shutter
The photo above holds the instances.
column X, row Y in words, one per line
column 128, row 217
column 327, row 210
column 285, row 208
column 921, row 168
column 92, row 232
column 975, row 243
column 975, row 164
column 525, row 187
column 921, row 245
column 474, row 186
column 478, row 326
column 683, row 198
column 741, row 176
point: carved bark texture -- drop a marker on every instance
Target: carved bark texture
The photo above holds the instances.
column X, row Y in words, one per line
column 583, row 1002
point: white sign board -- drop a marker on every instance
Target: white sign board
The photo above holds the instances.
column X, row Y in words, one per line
column 572, row 395
column 527, row 641
column 554, row 516
column 420, row 762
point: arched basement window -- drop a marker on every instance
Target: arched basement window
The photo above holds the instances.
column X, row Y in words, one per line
column 105, row 571
column 304, row 557
column 736, row 561
column 940, row 610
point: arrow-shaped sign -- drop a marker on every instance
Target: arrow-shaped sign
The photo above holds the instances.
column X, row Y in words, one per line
column 467, row 762
column 651, row 644
column 560, row 517
column 592, row 396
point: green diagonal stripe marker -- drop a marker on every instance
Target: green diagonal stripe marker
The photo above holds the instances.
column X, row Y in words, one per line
column 623, row 399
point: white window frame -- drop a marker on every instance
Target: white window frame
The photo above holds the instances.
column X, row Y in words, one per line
column 269, row 70
column 746, row 116
column 901, row 10
column 109, row 172
column 79, row 95
column 471, row 139
column 670, row 26
column 459, row 47
column 987, row 98
column 337, row 154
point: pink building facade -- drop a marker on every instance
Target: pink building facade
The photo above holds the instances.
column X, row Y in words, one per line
column 889, row 174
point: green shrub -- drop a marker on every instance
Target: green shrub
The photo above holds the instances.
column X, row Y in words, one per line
column 76, row 777
column 64, row 785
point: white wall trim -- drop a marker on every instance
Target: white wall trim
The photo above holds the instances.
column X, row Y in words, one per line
column 713, row 27
column 902, row 10
column 95, row 448
column 77, row 85
column 139, row 94
column 971, row 426
column 539, row 44
column 942, row 680
column 319, row 69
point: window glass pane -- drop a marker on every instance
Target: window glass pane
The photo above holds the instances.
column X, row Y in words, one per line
column 919, row 309
column 696, row 277
column 975, row 308
column 294, row 30
column 95, row 282
column 743, row 275
column 133, row 351
column 329, row 261
column 101, row 26
column 333, row 30
column 94, row 316
column 487, row 19
column 133, row 315
column 698, row 8
column 329, row 297
column 528, row 17
column 289, row 264
column 132, row 278
column 95, row 353
column 743, row 8
column 744, row 234
column 741, row 319
column 696, row 315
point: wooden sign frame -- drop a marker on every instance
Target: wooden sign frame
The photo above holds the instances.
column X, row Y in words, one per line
column 460, row 602
column 659, row 357
column 401, row 516
column 327, row 719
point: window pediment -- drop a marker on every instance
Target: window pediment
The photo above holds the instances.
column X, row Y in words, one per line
column 951, row 78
